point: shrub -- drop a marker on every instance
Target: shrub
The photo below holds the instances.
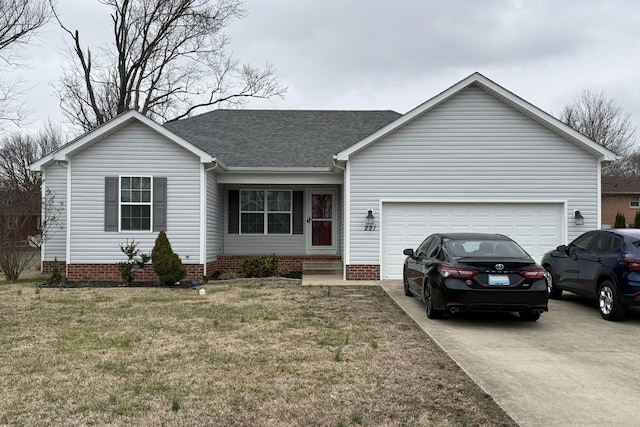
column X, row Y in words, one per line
column 262, row 266
column 636, row 220
column 166, row 263
column 135, row 262
column 621, row 221
column 56, row 277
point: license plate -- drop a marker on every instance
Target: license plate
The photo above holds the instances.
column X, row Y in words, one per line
column 499, row 280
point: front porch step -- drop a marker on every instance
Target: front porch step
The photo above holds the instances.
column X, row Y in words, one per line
column 324, row 268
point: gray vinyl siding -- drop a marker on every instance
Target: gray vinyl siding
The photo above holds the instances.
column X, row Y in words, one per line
column 341, row 222
column 55, row 180
column 215, row 218
column 471, row 147
column 134, row 150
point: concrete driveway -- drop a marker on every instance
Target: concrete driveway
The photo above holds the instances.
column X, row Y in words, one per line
column 570, row 368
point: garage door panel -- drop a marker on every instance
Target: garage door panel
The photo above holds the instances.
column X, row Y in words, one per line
column 536, row 227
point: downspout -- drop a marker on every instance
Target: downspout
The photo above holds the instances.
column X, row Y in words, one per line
column 345, row 217
column 203, row 212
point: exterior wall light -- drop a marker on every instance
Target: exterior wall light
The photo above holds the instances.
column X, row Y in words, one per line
column 370, row 221
column 579, row 218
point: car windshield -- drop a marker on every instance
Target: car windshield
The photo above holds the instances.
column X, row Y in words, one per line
column 478, row 248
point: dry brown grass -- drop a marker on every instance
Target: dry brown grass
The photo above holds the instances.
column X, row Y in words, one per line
column 254, row 353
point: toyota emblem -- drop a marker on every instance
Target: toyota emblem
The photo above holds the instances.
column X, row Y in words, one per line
column 499, row 267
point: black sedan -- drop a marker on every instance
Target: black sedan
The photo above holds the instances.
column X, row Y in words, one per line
column 458, row 272
column 603, row 265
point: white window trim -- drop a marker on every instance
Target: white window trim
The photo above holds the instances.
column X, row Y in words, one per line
column 636, row 199
column 266, row 212
column 121, row 204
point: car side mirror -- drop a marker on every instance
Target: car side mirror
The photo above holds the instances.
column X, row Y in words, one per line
column 409, row 252
column 562, row 248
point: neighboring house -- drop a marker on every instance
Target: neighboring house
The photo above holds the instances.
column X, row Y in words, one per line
column 620, row 194
column 19, row 216
column 351, row 186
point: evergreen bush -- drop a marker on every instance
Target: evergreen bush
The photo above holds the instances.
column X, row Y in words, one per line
column 166, row 263
column 621, row 221
column 636, row 220
column 262, row 266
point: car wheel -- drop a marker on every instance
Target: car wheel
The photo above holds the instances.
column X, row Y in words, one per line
column 405, row 284
column 529, row 316
column 552, row 289
column 609, row 302
column 428, row 305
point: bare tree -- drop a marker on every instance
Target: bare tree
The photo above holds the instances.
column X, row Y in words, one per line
column 19, row 150
column 629, row 166
column 603, row 120
column 19, row 21
column 26, row 217
column 167, row 59
column 26, row 221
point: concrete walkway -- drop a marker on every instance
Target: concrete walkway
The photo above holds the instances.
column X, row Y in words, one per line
column 570, row 368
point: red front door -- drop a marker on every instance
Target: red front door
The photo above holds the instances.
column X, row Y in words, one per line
column 321, row 219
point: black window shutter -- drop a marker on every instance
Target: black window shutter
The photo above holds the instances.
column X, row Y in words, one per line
column 111, row 203
column 234, row 212
column 159, row 204
column 298, row 212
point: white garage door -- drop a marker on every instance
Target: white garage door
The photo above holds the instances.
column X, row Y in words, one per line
column 537, row 227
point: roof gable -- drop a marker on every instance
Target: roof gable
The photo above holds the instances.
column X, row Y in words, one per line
column 118, row 122
column 499, row 92
column 279, row 138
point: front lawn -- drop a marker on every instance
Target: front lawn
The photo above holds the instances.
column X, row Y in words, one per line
column 249, row 352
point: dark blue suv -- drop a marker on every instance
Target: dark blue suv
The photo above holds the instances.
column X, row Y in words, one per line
column 601, row 264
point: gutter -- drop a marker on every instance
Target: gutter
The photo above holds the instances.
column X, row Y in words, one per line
column 216, row 164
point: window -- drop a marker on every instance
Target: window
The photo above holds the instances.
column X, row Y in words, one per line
column 422, row 249
column 265, row 212
column 634, row 201
column 581, row 243
column 135, row 203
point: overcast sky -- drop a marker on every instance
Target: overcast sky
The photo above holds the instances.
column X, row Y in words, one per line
column 396, row 54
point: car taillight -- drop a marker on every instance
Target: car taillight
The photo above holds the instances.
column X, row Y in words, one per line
column 460, row 273
column 533, row 274
column 632, row 264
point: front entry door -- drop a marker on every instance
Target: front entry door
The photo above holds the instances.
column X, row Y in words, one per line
column 321, row 227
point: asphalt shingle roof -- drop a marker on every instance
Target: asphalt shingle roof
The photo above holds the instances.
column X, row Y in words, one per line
column 278, row 138
column 620, row 185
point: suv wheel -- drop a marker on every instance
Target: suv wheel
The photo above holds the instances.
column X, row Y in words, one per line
column 552, row 290
column 609, row 302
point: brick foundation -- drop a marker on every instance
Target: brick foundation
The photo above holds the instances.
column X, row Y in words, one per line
column 363, row 272
column 286, row 263
column 110, row 272
column 48, row 266
column 224, row 264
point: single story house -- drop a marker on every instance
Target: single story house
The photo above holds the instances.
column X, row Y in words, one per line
column 620, row 194
column 356, row 187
